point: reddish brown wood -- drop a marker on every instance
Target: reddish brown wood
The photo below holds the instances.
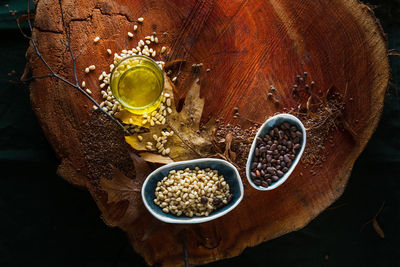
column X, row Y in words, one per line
column 248, row 45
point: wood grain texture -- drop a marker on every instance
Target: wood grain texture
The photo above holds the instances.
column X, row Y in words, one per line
column 248, row 45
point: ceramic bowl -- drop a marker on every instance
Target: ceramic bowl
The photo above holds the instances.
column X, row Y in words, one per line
column 231, row 176
column 264, row 129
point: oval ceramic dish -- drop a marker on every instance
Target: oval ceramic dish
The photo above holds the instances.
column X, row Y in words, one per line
column 264, row 129
column 231, row 176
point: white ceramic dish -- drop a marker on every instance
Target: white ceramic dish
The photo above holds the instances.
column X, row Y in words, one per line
column 231, row 176
column 264, row 129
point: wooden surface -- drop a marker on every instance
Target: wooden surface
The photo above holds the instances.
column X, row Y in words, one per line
column 248, row 45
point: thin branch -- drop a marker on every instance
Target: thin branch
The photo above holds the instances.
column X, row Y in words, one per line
column 185, row 252
column 69, row 43
column 52, row 72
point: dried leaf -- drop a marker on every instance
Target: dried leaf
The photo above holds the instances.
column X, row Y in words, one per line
column 188, row 142
column 121, row 189
column 142, row 168
column 129, row 118
column 155, row 158
column 377, row 228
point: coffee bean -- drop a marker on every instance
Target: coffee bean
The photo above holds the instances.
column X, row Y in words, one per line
column 285, row 169
column 258, row 174
column 296, row 146
column 299, row 134
column 257, row 182
column 253, row 175
column 271, row 169
column 275, row 178
column 257, row 152
column 269, row 181
column 264, row 184
column 269, row 158
column 279, row 173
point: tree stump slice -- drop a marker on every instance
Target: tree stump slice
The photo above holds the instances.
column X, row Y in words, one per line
column 247, row 45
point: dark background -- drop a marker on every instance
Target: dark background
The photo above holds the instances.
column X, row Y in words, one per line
column 44, row 221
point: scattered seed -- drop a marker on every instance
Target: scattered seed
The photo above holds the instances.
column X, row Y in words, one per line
column 163, row 49
column 109, row 51
column 87, row 70
column 96, row 39
column 88, row 91
column 140, row 138
column 140, row 19
column 92, row 67
column 83, row 84
column 135, row 27
column 130, row 34
column 174, row 79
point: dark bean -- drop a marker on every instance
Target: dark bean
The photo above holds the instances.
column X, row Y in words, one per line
column 204, row 200
column 274, row 154
column 254, row 165
column 229, row 198
column 259, row 166
column 216, row 201
column 289, row 144
column 219, row 185
column 286, row 158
